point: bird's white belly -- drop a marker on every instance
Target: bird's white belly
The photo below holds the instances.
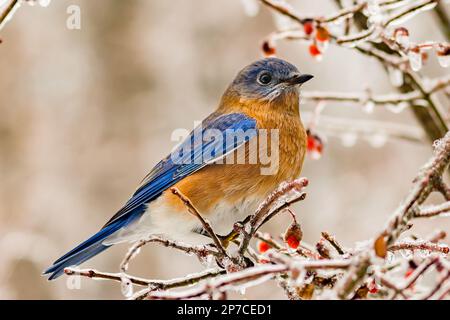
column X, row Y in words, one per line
column 160, row 219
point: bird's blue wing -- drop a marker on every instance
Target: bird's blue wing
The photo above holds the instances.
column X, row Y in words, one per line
column 164, row 175
column 168, row 172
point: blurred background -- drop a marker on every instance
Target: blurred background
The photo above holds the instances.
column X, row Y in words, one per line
column 85, row 114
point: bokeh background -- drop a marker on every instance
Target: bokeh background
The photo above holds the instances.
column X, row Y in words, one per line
column 85, row 114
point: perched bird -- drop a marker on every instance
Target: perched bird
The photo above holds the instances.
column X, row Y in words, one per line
column 264, row 97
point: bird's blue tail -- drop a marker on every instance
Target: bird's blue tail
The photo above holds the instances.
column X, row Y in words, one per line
column 86, row 250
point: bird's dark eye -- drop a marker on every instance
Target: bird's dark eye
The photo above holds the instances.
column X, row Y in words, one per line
column 265, row 78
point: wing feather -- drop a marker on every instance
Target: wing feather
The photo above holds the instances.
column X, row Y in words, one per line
column 167, row 173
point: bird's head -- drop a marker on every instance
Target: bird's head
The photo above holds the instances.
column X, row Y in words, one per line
column 269, row 80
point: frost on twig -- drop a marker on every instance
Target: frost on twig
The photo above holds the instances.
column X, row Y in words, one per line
column 9, row 7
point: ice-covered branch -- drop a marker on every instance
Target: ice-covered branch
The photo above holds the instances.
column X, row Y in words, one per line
column 420, row 245
column 433, row 210
column 8, row 12
column 424, row 184
column 218, row 286
column 9, row 7
column 151, row 285
column 382, row 99
column 375, row 132
column 287, row 194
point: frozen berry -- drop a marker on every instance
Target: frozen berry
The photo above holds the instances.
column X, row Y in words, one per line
column 308, row 27
column 263, row 246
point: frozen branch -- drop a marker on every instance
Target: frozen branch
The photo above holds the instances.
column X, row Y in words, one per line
column 200, row 251
column 354, row 277
column 94, row 274
column 332, row 240
column 433, row 210
column 234, row 281
column 366, row 129
column 412, row 278
column 424, row 184
column 270, row 207
column 367, row 34
column 365, row 96
column 8, row 12
column 420, row 245
column 442, row 188
column 437, row 236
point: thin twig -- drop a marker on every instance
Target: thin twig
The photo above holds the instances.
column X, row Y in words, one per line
column 187, row 202
column 8, row 12
column 420, row 245
column 266, row 211
column 332, row 240
column 433, row 210
column 222, row 283
column 437, row 236
column 362, row 97
column 94, row 274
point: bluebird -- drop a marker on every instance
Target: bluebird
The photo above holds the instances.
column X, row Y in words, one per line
column 263, row 96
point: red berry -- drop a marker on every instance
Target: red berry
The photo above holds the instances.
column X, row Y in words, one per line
column 310, row 143
column 373, row 288
column 409, row 272
column 293, row 235
column 263, row 246
column 319, row 146
column 293, row 242
column 322, row 34
column 314, row 51
column 314, row 143
column 308, row 27
column 268, row 49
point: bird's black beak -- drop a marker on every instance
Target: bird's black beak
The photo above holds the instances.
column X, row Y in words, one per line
column 299, row 79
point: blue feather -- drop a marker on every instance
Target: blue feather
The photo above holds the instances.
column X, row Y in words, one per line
column 163, row 176
column 167, row 173
column 89, row 248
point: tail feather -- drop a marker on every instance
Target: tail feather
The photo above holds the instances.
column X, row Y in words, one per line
column 89, row 248
column 57, row 269
column 99, row 236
